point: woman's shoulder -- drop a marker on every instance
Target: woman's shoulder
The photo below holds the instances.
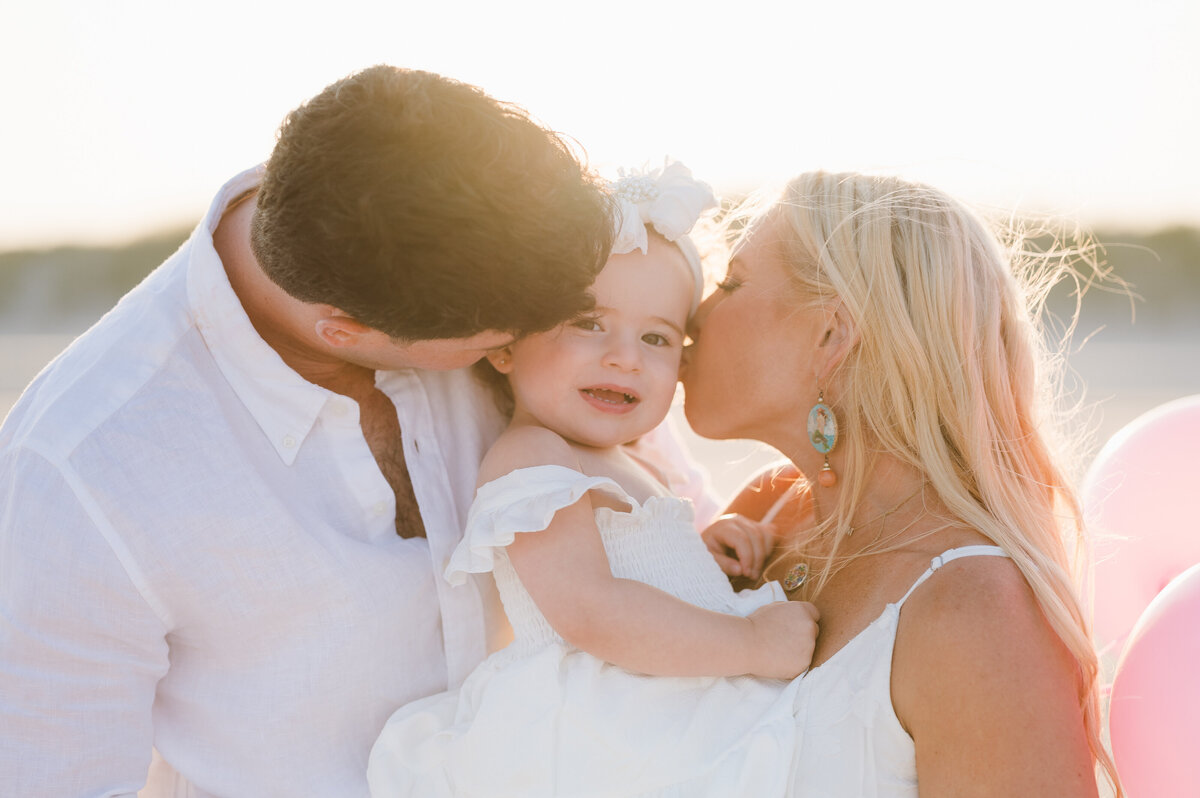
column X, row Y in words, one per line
column 981, row 678
column 970, row 635
column 967, row 596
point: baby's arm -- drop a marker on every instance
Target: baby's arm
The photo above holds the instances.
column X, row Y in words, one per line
column 566, row 572
column 763, row 519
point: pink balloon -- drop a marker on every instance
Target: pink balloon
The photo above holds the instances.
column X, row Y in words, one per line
column 1140, row 504
column 1154, row 710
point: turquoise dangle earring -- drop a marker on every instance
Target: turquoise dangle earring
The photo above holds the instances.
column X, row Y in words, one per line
column 823, row 434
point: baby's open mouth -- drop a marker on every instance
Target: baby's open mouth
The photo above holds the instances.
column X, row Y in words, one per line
column 610, row 396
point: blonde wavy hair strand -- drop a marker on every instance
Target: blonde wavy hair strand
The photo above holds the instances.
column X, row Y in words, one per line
column 952, row 375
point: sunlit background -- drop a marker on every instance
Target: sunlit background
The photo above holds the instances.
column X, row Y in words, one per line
column 121, row 119
column 124, row 116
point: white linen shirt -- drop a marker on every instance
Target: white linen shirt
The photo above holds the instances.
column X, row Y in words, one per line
column 198, row 554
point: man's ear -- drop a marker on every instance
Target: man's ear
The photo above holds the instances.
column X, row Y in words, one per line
column 501, row 359
column 839, row 336
column 339, row 330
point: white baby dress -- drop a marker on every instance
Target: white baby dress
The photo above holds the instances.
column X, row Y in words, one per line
column 542, row 718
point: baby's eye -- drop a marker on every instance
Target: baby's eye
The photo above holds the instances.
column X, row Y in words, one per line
column 729, row 284
column 590, row 323
column 656, row 339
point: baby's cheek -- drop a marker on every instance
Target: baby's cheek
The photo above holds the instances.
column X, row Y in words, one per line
column 666, row 375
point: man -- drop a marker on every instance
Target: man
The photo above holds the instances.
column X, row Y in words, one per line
column 224, row 511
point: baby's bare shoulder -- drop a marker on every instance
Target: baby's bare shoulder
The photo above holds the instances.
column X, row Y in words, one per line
column 525, row 447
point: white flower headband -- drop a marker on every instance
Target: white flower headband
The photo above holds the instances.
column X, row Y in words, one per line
column 671, row 201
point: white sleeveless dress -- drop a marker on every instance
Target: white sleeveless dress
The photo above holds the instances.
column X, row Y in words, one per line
column 849, row 741
column 541, row 718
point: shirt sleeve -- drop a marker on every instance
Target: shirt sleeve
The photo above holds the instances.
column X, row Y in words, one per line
column 81, row 650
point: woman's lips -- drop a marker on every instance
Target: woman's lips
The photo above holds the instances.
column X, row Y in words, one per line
column 610, row 398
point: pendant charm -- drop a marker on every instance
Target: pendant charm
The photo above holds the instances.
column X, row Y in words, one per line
column 795, row 576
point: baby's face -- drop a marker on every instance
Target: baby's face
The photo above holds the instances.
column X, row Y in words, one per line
column 609, row 377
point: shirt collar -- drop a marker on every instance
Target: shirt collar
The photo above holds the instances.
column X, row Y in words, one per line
column 283, row 404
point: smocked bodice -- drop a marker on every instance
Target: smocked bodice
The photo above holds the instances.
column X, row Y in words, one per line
column 654, row 542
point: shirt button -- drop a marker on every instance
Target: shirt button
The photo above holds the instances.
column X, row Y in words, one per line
column 379, row 507
column 289, row 442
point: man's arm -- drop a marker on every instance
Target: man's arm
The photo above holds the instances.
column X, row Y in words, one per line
column 80, row 649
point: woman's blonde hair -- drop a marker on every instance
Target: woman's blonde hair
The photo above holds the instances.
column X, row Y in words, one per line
column 950, row 374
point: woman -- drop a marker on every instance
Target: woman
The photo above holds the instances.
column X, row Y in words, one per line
column 954, row 653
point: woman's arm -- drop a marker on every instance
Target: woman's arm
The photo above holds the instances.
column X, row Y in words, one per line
column 759, row 495
column 566, row 572
column 986, row 689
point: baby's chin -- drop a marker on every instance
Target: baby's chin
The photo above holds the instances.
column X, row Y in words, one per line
column 627, row 437
column 592, row 442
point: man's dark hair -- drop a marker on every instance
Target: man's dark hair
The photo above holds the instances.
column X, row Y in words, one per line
column 425, row 209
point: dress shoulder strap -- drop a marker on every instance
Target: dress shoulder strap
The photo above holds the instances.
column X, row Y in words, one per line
column 949, row 556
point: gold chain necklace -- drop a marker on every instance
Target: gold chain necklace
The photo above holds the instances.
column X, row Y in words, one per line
column 798, row 574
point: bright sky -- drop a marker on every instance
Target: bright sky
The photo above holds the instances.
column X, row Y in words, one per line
column 125, row 116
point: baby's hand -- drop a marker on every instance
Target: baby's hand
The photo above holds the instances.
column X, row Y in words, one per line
column 740, row 545
column 785, row 634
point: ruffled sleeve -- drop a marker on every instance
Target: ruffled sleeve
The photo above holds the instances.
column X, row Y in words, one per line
column 524, row 500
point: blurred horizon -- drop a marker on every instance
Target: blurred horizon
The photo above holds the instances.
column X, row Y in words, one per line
column 1145, row 279
column 1128, row 354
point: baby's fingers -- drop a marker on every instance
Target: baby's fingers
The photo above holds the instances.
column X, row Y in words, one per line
column 756, row 542
column 728, row 564
column 737, row 538
column 727, row 544
column 762, row 537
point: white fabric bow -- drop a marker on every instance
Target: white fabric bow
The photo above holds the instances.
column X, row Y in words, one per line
column 669, row 199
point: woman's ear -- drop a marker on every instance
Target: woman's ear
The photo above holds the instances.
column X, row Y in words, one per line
column 501, row 359
column 839, row 336
column 338, row 330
